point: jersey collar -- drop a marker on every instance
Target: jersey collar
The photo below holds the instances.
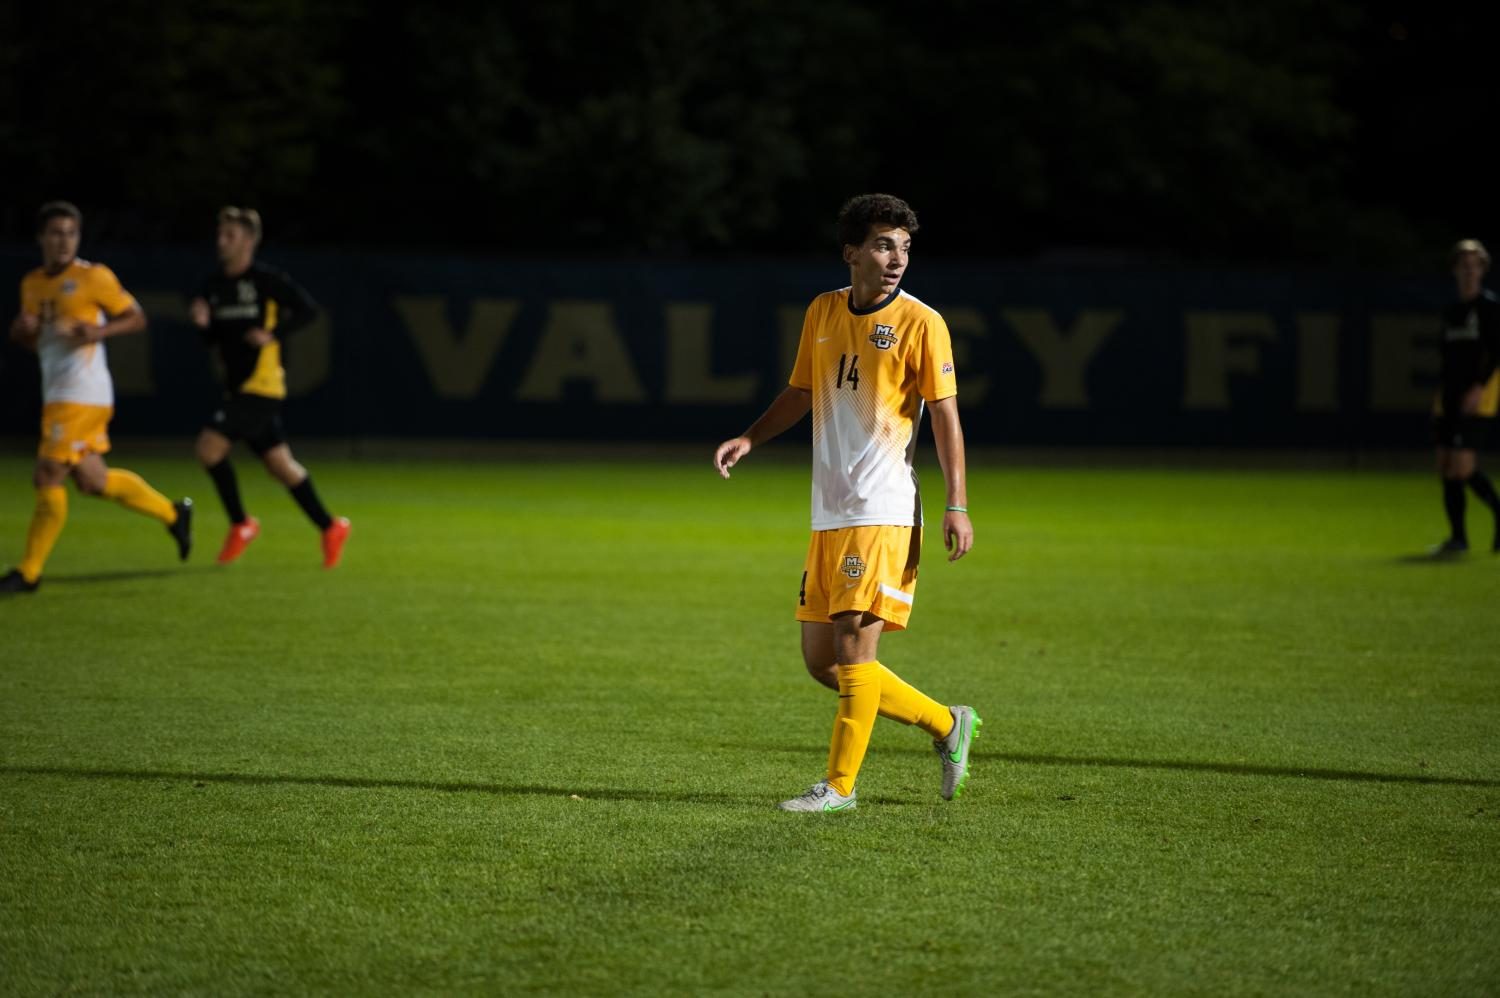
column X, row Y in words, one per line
column 882, row 303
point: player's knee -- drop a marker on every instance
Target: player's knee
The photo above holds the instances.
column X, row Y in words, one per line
column 284, row 468
column 211, row 451
column 1460, row 465
column 89, row 485
column 47, row 475
column 825, row 671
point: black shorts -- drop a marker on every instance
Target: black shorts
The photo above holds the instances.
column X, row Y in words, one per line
column 1461, row 432
column 254, row 419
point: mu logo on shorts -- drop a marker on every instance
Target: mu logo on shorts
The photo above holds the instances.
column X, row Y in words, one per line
column 884, row 337
column 854, row 566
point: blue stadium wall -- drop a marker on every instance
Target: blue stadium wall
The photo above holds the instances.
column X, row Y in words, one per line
column 430, row 347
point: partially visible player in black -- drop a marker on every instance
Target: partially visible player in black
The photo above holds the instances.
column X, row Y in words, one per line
column 1470, row 393
column 246, row 310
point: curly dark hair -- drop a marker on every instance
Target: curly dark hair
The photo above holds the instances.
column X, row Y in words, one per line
column 859, row 213
column 57, row 209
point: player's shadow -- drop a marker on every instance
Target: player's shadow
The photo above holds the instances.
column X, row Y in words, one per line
column 1245, row 769
column 120, row 575
column 1428, row 558
column 581, row 792
column 1229, row 768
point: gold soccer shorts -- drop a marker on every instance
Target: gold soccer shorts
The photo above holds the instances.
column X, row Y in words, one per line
column 71, row 431
column 861, row 569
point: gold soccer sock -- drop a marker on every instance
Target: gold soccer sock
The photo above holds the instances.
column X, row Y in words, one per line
column 859, row 703
column 900, row 701
column 131, row 491
column 46, row 523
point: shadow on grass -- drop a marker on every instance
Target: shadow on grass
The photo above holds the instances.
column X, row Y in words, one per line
column 121, row 575
column 1229, row 768
column 1241, row 769
column 1428, row 558
column 371, row 783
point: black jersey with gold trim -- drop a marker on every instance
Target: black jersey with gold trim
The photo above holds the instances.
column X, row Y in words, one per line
column 261, row 297
column 1471, row 352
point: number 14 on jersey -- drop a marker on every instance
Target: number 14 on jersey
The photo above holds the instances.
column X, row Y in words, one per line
column 849, row 376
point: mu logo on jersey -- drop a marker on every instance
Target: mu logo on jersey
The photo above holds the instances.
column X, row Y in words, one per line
column 883, row 337
column 854, row 566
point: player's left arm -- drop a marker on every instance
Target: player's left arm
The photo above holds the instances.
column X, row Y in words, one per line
column 936, row 382
column 124, row 313
column 132, row 320
column 1489, row 337
column 948, row 434
column 296, row 308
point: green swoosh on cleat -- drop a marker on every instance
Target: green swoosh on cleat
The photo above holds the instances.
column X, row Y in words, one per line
column 958, row 755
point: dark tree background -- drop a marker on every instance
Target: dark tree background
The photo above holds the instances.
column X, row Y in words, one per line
column 1281, row 132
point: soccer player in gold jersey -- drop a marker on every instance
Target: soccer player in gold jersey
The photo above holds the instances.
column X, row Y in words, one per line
column 69, row 307
column 872, row 358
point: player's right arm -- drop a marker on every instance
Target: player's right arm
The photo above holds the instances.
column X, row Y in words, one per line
column 25, row 329
column 199, row 314
column 784, row 413
column 794, row 402
column 27, row 325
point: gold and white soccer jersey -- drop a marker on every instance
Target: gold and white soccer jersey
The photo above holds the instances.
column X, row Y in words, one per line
column 83, row 292
column 870, row 372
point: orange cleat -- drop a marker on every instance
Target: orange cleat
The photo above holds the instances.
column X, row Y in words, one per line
column 333, row 541
column 240, row 536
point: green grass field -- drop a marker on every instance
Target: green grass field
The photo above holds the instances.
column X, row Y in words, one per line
column 530, row 736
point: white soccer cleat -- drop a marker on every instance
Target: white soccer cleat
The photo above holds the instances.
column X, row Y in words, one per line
column 819, row 797
column 954, row 749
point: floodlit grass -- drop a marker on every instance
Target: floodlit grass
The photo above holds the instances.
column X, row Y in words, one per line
column 528, row 739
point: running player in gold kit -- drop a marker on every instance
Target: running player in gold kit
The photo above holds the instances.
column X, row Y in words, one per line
column 871, row 359
column 69, row 307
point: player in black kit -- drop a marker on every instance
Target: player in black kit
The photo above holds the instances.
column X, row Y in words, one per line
column 1470, row 393
column 246, row 310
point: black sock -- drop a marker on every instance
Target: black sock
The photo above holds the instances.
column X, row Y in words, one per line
column 1485, row 490
column 307, row 498
column 1453, row 502
column 229, row 490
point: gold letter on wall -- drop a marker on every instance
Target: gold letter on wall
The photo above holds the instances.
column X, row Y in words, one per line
column 581, row 343
column 1399, row 357
column 1217, row 347
column 457, row 365
column 1064, row 358
column 1317, row 362
column 690, row 376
